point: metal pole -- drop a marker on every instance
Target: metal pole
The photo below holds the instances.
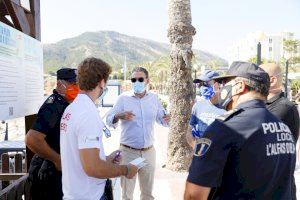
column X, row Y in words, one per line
column 125, row 68
column 6, row 132
column 286, row 77
column 258, row 60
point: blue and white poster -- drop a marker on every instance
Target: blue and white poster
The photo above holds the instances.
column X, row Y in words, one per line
column 21, row 73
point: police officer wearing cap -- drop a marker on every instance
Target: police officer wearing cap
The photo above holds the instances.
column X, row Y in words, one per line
column 247, row 153
column 44, row 138
column 205, row 110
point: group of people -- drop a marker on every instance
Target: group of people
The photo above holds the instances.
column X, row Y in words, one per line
column 70, row 161
column 241, row 150
column 248, row 152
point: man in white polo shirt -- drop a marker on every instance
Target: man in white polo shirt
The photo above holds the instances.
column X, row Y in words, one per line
column 85, row 167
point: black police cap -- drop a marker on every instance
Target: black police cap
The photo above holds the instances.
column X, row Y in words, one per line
column 246, row 70
column 67, row 74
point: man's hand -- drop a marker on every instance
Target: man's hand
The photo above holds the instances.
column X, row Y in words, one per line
column 127, row 115
column 166, row 118
column 132, row 171
column 57, row 164
column 189, row 137
column 115, row 157
column 196, row 192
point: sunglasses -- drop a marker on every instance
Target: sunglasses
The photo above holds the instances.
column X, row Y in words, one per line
column 133, row 80
column 198, row 85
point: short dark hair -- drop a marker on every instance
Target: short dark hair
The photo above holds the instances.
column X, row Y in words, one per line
column 141, row 69
column 91, row 71
column 256, row 86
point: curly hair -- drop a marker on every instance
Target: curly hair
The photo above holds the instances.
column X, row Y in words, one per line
column 91, row 71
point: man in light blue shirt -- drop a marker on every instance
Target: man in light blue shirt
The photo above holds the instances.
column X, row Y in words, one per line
column 137, row 111
column 205, row 110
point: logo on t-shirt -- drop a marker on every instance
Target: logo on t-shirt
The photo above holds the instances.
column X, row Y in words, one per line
column 63, row 127
column 91, row 139
column 202, row 146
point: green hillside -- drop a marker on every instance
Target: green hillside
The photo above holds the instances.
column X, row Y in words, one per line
column 111, row 47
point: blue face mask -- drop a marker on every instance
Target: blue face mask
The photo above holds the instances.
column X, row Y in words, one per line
column 138, row 87
column 207, row 92
column 104, row 92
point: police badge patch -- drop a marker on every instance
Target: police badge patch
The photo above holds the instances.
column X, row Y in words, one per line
column 50, row 100
column 202, row 146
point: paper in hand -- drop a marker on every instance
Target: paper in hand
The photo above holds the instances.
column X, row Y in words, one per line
column 139, row 162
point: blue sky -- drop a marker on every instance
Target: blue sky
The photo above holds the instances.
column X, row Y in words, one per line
column 219, row 23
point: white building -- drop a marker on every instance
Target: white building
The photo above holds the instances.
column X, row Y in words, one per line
column 271, row 46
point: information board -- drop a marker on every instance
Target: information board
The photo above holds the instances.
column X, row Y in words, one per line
column 112, row 95
column 21, row 73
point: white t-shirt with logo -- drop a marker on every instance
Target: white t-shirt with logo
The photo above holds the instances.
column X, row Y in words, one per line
column 80, row 128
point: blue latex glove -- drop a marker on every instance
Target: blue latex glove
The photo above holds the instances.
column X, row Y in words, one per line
column 196, row 133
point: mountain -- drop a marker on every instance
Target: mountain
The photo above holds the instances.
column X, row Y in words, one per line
column 111, row 47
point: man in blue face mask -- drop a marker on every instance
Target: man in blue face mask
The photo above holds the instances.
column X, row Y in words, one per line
column 137, row 111
column 204, row 111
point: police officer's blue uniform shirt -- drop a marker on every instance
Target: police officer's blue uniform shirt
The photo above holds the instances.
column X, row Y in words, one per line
column 246, row 154
column 203, row 114
column 48, row 119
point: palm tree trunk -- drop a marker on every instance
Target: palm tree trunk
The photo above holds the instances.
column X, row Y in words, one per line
column 180, row 34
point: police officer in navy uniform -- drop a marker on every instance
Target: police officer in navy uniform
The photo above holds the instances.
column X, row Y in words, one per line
column 44, row 138
column 247, row 153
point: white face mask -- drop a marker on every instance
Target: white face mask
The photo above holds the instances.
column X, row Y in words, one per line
column 103, row 93
column 139, row 87
column 98, row 101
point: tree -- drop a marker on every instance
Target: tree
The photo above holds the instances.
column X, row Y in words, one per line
column 263, row 60
column 290, row 48
column 213, row 65
column 180, row 34
column 159, row 72
column 295, row 85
